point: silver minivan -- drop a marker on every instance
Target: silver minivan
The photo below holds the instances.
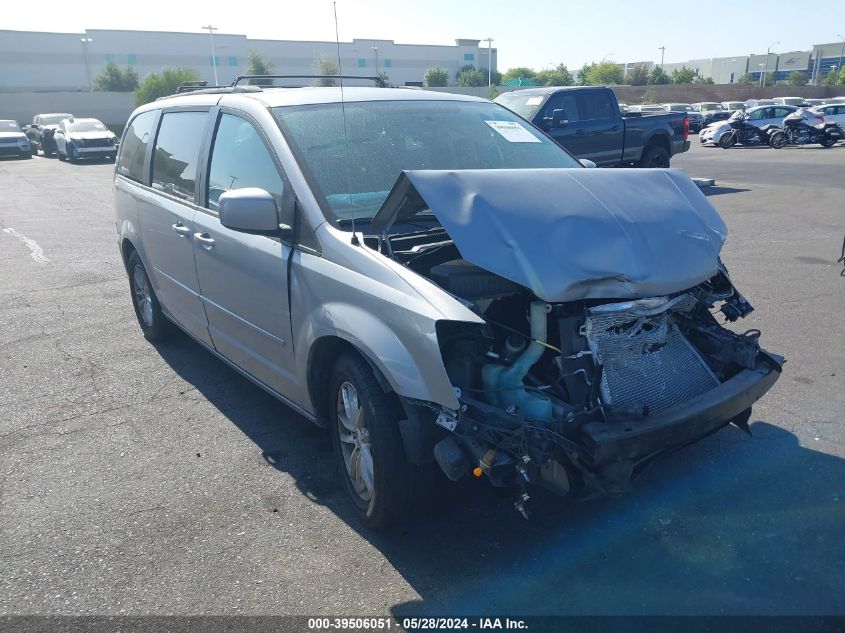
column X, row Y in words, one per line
column 438, row 283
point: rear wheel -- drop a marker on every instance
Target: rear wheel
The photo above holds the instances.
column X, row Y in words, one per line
column 777, row 140
column 368, row 447
column 655, row 156
column 827, row 142
column 727, row 140
column 59, row 155
column 154, row 324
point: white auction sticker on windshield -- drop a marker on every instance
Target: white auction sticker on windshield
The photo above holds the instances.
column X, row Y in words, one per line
column 534, row 100
column 513, row 132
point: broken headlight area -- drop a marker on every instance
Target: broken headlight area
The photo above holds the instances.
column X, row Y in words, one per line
column 579, row 397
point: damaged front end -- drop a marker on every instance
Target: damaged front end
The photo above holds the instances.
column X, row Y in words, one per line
column 590, row 363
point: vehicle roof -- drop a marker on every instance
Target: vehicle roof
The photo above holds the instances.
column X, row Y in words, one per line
column 274, row 97
column 546, row 90
column 8, row 121
column 82, row 119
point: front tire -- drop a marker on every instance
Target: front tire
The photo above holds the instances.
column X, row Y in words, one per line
column 655, row 156
column 727, row 140
column 154, row 324
column 59, row 155
column 777, row 140
column 363, row 419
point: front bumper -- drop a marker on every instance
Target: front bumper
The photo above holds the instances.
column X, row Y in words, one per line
column 15, row 150
column 94, row 152
column 636, row 439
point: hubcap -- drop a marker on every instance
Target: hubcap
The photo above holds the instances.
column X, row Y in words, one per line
column 355, row 440
column 143, row 295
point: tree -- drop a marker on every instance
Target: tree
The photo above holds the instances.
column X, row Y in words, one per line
column 834, row 77
column 557, row 76
column 704, row 80
column 520, row 72
column 797, row 79
column 605, row 73
column 769, row 79
column 745, row 79
column 638, row 75
column 658, row 77
column 684, row 75
column 326, row 66
column 436, row 77
column 581, row 75
column 385, row 78
column 258, row 65
column 472, row 77
column 160, row 85
column 115, row 79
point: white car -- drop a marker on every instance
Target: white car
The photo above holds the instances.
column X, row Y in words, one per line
column 734, row 105
column 13, row 142
column 831, row 112
column 760, row 116
column 84, row 138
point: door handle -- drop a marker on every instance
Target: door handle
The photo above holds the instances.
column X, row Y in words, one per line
column 181, row 229
column 205, row 239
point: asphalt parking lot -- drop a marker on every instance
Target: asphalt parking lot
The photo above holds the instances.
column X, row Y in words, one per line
column 154, row 480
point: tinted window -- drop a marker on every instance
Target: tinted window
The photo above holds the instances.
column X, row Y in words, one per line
column 240, row 159
column 759, row 114
column 563, row 101
column 596, row 105
column 134, row 146
column 177, row 152
column 781, row 112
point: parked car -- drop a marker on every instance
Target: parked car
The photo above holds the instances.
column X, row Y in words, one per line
column 587, row 122
column 733, row 106
column 713, row 116
column 815, row 102
column 831, row 112
column 793, row 101
column 759, row 117
column 84, row 138
column 653, row 107
column 759, row 102
column 696, row 119
column 438, row 283
column 13, row 142
column 706, row 106
column 40, row 132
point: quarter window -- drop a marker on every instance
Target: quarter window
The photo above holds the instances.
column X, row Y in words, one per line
column 240, row 159
column 133, row 149
column 177, row 152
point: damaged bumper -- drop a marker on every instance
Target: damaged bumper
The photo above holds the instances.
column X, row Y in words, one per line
column 637, row 439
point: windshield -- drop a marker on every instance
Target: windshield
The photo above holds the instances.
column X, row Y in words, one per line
column 707, row 107
column 387, row 137
column 525, row 105
column 680, row 107
column 9, row 126
column 87, row 126
column 53, row 119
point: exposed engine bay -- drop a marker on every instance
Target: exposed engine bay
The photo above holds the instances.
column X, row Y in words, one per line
column 580, row 395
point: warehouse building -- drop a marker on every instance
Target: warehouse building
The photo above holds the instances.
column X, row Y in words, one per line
column 35, row 61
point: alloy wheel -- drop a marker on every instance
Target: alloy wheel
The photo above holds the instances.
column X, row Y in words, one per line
column 143, row 295
column 355, row 440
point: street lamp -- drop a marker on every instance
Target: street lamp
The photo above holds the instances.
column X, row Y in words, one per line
column 211, row 30
column 766, row 69
column 489, row 41
column 662, row 50
column 85, row 41
column 375, row 50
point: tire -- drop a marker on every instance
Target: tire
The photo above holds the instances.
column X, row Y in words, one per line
column 727, row 140
column 154, row 324
column 27, row 155
column 59, row 155
column 655, row 156
column 777, row 140
column 827, row 142
column 383, row 487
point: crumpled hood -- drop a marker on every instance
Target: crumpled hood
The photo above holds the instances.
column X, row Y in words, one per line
column 87, row 136
column 569, row 234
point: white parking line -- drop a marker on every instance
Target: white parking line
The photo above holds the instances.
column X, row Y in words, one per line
column 35, row 251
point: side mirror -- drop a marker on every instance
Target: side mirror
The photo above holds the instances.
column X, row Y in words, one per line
column 250, row 210
column 586, row 162
column 559, row 118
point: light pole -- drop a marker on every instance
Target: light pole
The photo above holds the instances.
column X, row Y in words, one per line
column 489, row 41
column 375, row 50
column 766, row 68
column 211, row 30
column 662, row 50
column 85, row 41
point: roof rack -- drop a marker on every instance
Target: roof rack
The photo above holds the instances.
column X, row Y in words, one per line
column 191, row 86
column 378, row 80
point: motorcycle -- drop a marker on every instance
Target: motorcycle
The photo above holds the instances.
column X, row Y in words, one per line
column 797, row 131
column 745, row 133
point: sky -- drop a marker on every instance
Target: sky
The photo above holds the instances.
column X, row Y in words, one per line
column 538, row 34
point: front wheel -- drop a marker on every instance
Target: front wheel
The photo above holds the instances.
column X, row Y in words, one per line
column 368, row 447
column 655, row 156
column 777, row 140
column 727, row 140
column 59, row 155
